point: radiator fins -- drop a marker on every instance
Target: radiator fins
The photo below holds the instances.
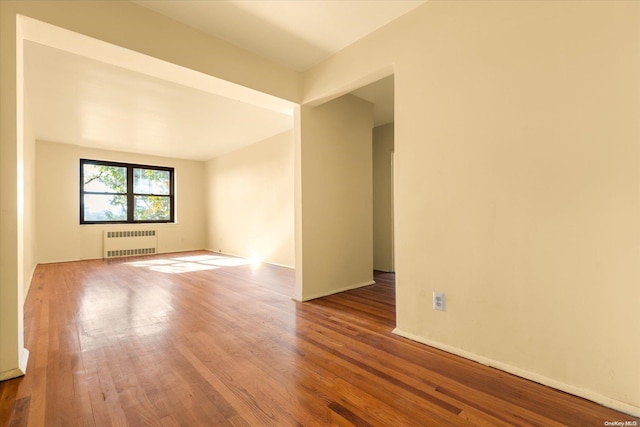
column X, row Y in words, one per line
column 124, row 243
column 130, row 233
column 130, row 252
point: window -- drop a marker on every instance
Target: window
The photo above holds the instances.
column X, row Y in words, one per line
column 121, row 193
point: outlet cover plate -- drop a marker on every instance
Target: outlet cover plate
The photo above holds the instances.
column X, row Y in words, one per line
column 438, row 301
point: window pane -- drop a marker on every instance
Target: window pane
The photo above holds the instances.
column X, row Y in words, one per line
column 105, row 179
column 103, row 207
column 152, row 208
column 150, row 181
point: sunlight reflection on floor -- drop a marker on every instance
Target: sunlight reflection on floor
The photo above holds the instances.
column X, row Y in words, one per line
column 186, row 264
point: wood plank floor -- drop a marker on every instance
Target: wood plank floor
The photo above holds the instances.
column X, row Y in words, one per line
column 198, row 339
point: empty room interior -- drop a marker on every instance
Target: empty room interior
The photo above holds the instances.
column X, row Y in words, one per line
column 411, row 212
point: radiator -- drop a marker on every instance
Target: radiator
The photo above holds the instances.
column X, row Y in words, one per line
column 129, row 243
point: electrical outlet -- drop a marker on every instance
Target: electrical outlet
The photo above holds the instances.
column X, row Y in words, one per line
column 438, row 301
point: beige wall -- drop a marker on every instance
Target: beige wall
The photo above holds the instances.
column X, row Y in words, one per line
column 336, row 207
column 58, row 202
column 13, row 355
column 382, row 198
column 517, row 174
column 29, row 241
column 250, row 201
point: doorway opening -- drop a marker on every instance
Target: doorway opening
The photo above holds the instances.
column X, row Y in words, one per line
column 381, row 94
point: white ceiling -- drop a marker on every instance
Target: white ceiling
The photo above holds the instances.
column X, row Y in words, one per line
column 77, row 100
column 297, row 34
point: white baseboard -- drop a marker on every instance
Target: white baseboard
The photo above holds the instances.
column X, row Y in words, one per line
column 28, row 279
column 291, row 267
column 336, row 291
column 558, row 385
column 24, row 359
column 243, row 257
column 20, row 370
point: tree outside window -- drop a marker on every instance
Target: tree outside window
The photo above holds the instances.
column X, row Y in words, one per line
column 122, row 193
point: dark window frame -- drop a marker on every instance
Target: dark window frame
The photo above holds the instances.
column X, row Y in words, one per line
column 130, row 195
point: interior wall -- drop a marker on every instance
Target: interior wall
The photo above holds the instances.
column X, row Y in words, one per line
column 13, row 355
column 250, row 201
column 29, row 244
column 58, row 200
column 336, row 187
column 383, row 198
column 516, row 173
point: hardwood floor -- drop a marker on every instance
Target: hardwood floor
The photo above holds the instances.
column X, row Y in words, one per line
column 197, row 339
